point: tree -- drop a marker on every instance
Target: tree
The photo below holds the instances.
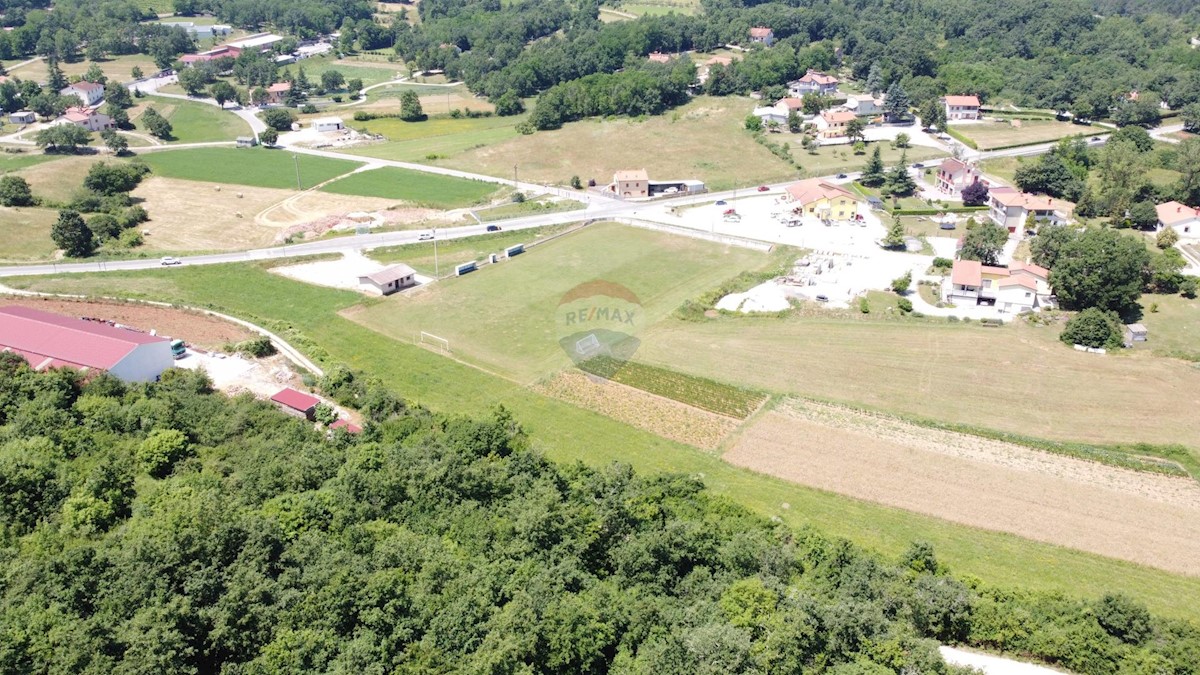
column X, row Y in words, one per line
column 279, row 119
column 873, row 175
column 1187, row 163
column 193, row 80
column 1047, row 245
column 105, row 227
column 325, row 414
column 902, row 140
column 509, row 104
column 95, row 74
column 136, row 72
column 855, row 129
column 55, row 80
column 1048, row 175
column 899, row 181
column 895, row 236
column 1166, row 271
column 901, row 284
column 983, row 242
column 115, row 142
column 156, row 124
column 975, row 194
column 71, row 234
column 1142, row 112
column 1166, row 238
column 859, row 147
column 332, row 80
column 1101, row 268
column 813, row 103
column 161, row 449
column 794, row 123
column 1139, row 137
column 62, row 138
column 1191, row 118
column 117, row 96
column 933, row 115
column 120, row 117
column 1143, row 215
column 1096, row 328
column 110, row 179
column 410, row 107
column 355, row 85
column 896, row 106
column 874, row 80
column 14, row 191
column 222, row 91
column 753, row 123
column 268, row 136
column 259, row 95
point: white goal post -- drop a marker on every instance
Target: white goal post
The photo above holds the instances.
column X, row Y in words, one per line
column 431, row 340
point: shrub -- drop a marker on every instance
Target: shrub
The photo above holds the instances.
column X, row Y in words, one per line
column 902, row 283
column 1168, row 237
column 280, row 119
column 256, row 347
column 130, row 239
column 1094, row 327
column 325, row 414
column 904, row 305
column 161, row 449
column 943, row 263
column 864, row 306
column 1188, row 287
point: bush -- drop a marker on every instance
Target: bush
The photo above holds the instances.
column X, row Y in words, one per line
column 280, row 119
column 1188, row 287
column 14, row 191
column 1094, row 327
column 902, row 283
column 864, row 306
column 325, row 414
column 943, row 263
column 256, row 347
column 130, row 239
column 1168, row 237
column 904, row 305
column 308, row 109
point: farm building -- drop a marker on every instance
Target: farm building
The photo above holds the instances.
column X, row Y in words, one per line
column 258, row 41
column 328, row 124
column 204, row 32
column 246, row 142
column 297, row 403
column 47, row 340
column 23, row 117
column 1135, row 332
column 211, row 55
column 389, row 279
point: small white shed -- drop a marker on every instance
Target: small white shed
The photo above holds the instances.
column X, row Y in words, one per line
column 23, row 117
column 328, row 124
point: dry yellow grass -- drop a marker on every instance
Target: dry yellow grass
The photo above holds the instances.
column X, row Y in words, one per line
column 662, row 416
column 1148, row 519
column 1018, row 378
column 312, row 205
column 194, row 216
column 61, row 179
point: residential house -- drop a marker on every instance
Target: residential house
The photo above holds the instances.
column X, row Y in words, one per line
column 47, row 340
column 1040, row 277
column 88, row 92
column 772, row 115
column 813, row 82
column 224, row 51
column 973, row 283
column 277, row 92
column 1010, row 209
column 389, row 280
column 821, row 199
column 762, row 35
column 88, row 118
column 1184, row 219
column 702, row 73
column 297, row 403
column 953, row 175
column 631, row 184
column 961, row 107
column 864, row 105
column 23, row 117
column 832, row 123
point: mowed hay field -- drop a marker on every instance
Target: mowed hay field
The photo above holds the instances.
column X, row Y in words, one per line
column 434, row 139
column 704, row 140
column 258, row 167
column 25, row 233
column 417, row 187
column 193, row 216
column 503, row 317
column 1146, row 518
column 1000, row 134
column 1018, row 378
column 191, row 121
column 60, row 180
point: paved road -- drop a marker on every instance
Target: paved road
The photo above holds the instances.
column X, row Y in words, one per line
column 151, row 86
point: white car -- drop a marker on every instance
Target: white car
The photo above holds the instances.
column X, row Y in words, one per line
column 425, row 237
column 168, row 260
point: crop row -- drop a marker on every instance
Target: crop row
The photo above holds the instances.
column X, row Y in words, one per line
column 703, row 393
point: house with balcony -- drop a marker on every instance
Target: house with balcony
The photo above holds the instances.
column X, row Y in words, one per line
column 961, row 107
column 954, row 174
column 813, row 82
column 832, row 123
column 1011, row 208
column 1015, row 290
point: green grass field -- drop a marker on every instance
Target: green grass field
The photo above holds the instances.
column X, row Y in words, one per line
column 519, row 297
column 566, row 433
column 118, row 67
column 369, row 75
column 834, row 159
column 192, row 121
column 529, row 207
column 15, row 161
column 646, row 9
column 442, row 137
column 25, row 234
column 1002, row 134
column 427, row 189
column 1173, row 322
column 60, row 180
column 257, row 167
column 421, row 256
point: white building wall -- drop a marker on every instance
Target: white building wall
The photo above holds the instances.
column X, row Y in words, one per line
column 145, row 363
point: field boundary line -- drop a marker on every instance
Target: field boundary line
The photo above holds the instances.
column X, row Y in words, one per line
column 283, row 346
column 729, row 239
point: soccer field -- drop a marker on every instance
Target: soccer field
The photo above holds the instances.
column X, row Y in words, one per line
column 504, row 317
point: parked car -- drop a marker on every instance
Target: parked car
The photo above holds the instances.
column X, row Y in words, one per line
column 763, row 188
column 168, row 260
column 1095, row 139
column 428, row 236
column 493, row 228
column 721, row 202
column 918, row 165
column 822, row 298
column 841, row 175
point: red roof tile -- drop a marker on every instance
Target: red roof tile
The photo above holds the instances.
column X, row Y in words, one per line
column 39, row 336
column 296, row 400
column 350, row 427
column 970, row 101
column 967, row 273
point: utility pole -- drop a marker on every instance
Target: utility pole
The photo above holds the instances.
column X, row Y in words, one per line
column 436, row 273
column 296, row 161
column 516, row 185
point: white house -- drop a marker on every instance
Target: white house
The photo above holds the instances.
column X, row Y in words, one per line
column 813, row 82
column 88, row 118
column 953, row 175
column 961, row 107
column 1017, row 289
column 772, row 115
column 832, row 123
column 1184, row 219
column 864, row 105
column 328, row 124
column 88, row 92
column 23, row 117
column 1010, row 209
column 762, row 35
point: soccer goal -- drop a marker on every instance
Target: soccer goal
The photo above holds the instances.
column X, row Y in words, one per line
column 431, row 340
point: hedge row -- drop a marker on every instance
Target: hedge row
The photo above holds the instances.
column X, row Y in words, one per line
column 962, row 139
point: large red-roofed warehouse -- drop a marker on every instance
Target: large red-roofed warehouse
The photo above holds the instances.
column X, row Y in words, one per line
column 49, row 340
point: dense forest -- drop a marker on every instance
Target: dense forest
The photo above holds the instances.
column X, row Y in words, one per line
column 165, row 528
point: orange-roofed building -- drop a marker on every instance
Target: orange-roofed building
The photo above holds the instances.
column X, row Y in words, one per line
column 832, row 123
column 631, row 184
column 1019, row 288
column 961, row 107
column 1011, row 208
column 762, row 35
column 813, row 82
column 1184, row 219
column 821, row 199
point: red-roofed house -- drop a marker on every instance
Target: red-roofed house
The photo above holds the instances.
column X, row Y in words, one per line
column 88, row 92
column 278, row 91
column 49, row 340
column 297, row 403
column 1184, row 219
column 961, row 107
column 1017, row 289
column 832, row 123
column 762, row 35
column 813, row 82
column 631, row 184
column 1011, row 209
column 824, row 200
column 349, row 427
column 953, row 175
column 88, row 118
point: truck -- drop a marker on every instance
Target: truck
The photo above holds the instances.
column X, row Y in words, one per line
column 178, row 349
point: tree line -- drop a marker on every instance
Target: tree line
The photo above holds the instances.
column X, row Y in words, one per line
column 167, row 528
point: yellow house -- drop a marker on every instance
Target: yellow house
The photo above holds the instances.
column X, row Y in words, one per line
column 821, row 199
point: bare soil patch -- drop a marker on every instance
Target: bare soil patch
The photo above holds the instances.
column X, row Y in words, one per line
column 193, row 327
column 314, row 205
column 662, row 416
column 1141, row 517
column 196, row 216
